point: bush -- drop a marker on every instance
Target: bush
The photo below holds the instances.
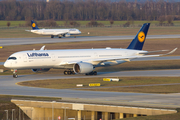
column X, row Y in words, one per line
column 94, row 23
column 111, row 22
column 127, row 24
column 8, row 24
column 74, row 23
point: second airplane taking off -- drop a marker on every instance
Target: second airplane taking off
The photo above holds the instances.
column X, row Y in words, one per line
column 79, row 61
column 53, row 32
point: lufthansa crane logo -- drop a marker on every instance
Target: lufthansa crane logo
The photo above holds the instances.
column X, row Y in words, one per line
column 33, row 25
column 141, row 36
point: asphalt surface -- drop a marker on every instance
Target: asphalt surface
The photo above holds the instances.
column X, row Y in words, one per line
column 22, row 41
column 8, row 87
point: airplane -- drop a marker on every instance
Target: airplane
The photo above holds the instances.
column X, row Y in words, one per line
column 53, row 32
column 80, row 61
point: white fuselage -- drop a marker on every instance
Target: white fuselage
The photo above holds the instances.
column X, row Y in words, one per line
column 56, row 32
column 63, row 58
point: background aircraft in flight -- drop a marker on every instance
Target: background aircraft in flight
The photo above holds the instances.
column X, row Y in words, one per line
column 80, row 61
column 53, row 32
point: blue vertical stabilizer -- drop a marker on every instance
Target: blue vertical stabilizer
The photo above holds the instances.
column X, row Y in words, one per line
column 34, row 25
column 138, row 42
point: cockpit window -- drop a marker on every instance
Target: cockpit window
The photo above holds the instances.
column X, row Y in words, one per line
column 72, row 30
column 12, row 58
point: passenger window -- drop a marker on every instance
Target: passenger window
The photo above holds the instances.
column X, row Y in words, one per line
column 12, row 58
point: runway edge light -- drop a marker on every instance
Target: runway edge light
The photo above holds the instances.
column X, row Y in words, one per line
column 1, row 47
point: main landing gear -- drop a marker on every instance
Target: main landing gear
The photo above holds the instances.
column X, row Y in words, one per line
column 15, row 73
column 92, row 73
column 69, row 72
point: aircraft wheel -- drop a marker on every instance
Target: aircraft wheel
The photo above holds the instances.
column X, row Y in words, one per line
column 65, row 72
column 52, row 36
column 72, row 72
column 15, row 75
column 69, row 72
column 59, row 36
column 95, row 73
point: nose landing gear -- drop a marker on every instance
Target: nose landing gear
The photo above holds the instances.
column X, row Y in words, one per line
column 15, row 73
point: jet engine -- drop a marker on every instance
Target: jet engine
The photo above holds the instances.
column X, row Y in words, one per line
column 41, row 70
column 66, row 35
column 83, row 68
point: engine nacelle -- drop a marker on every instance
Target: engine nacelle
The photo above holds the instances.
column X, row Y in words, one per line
column 83, row 68
column 67, row 35
column 41, row 70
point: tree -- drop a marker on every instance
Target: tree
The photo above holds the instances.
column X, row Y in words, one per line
column 169, row 19
column 161, row 20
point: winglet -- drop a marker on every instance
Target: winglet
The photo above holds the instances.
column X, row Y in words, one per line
column 163, row 54
column 34, row 25
column 138, row 41
column 42, row 48
column 171, row 51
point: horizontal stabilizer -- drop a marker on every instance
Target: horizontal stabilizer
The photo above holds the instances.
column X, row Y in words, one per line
column 148, row 52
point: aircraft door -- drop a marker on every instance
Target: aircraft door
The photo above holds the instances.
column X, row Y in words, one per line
column 95, row 55
column 53, row 57
column 25, row 58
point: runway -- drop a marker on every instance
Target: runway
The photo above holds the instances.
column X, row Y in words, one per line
column 22, row 41
column 8, row 87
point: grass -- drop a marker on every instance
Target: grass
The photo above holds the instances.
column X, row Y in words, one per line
column 112, row 86
column 146, row 89
column 13, row 23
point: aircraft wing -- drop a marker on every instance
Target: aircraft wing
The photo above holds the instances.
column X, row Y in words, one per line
column 60, row 33
column 126, row 58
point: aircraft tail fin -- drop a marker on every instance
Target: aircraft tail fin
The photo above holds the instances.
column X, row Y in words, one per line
column 138, row 42
column 34, row 25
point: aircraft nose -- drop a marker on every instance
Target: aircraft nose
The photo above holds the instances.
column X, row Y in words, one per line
column 6, row 64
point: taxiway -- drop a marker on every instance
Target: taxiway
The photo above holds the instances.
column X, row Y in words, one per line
column 39, row 40
column 8, row 87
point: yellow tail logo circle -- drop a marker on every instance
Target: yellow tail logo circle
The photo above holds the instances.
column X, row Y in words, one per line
column 33, row 25
column 141, row 36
